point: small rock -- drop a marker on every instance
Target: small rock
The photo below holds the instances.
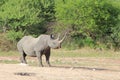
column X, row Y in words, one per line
column 23, row 64
column 93, row 69
column 71, row 68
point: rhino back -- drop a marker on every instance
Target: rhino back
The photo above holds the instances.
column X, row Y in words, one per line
column 42, row 43
column 30, row 44
column 27, row 45
column 20, row 43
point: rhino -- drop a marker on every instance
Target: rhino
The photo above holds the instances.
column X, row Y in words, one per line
column 36, row 47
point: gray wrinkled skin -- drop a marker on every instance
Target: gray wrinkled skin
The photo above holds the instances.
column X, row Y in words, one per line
column 36, row 47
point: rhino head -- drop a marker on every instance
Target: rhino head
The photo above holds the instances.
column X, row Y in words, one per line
column 56, row 43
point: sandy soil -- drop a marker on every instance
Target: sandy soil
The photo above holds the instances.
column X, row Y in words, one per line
column 22, row 72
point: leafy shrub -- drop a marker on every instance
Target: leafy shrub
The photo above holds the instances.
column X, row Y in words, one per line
column 14, row 36
column 95, row 19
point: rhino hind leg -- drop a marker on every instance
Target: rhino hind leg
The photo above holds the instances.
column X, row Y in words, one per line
column 23, row 56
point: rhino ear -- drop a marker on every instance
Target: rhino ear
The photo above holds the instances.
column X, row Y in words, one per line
column 51, row 36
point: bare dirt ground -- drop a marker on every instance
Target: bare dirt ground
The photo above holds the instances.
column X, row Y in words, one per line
column 111, row 71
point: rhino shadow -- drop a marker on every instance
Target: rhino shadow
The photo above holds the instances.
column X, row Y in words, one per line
column 86, row 68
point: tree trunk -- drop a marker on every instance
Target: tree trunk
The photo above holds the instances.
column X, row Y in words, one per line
column 4, row 29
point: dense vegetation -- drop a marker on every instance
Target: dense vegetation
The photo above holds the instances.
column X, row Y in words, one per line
column 93, row 23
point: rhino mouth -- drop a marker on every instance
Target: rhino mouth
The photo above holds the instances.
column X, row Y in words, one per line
column 57, row 47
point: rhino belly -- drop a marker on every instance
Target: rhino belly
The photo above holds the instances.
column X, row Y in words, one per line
column 30, row 53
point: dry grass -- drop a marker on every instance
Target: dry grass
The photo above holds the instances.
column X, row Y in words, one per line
column 83, row 52
column 82, row 57
column 5, row 45
column 86, row 52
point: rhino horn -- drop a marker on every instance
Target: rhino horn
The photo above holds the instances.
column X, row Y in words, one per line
column 63, row 38
column 58, row 37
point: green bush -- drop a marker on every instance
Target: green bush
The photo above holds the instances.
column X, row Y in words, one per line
column 88, row 21
column 95, row 19
column 14, row 36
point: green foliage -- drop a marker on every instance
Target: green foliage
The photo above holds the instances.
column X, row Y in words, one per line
column 20, row 13
column 36, row 30
column 89, row 22
column 26, row 15
column 2, row 2
column 115, row 37
column 47, row 9
column 93, row 19
column 13, row 35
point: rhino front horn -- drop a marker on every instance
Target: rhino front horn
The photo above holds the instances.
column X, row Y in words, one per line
column 58, row 37
column 63, row 38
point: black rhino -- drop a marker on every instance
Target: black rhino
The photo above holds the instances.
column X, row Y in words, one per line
column 36, row 47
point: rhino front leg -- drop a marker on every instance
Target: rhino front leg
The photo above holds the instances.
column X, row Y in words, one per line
column 47, row 55
column 47, row 60
column 39, row 56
